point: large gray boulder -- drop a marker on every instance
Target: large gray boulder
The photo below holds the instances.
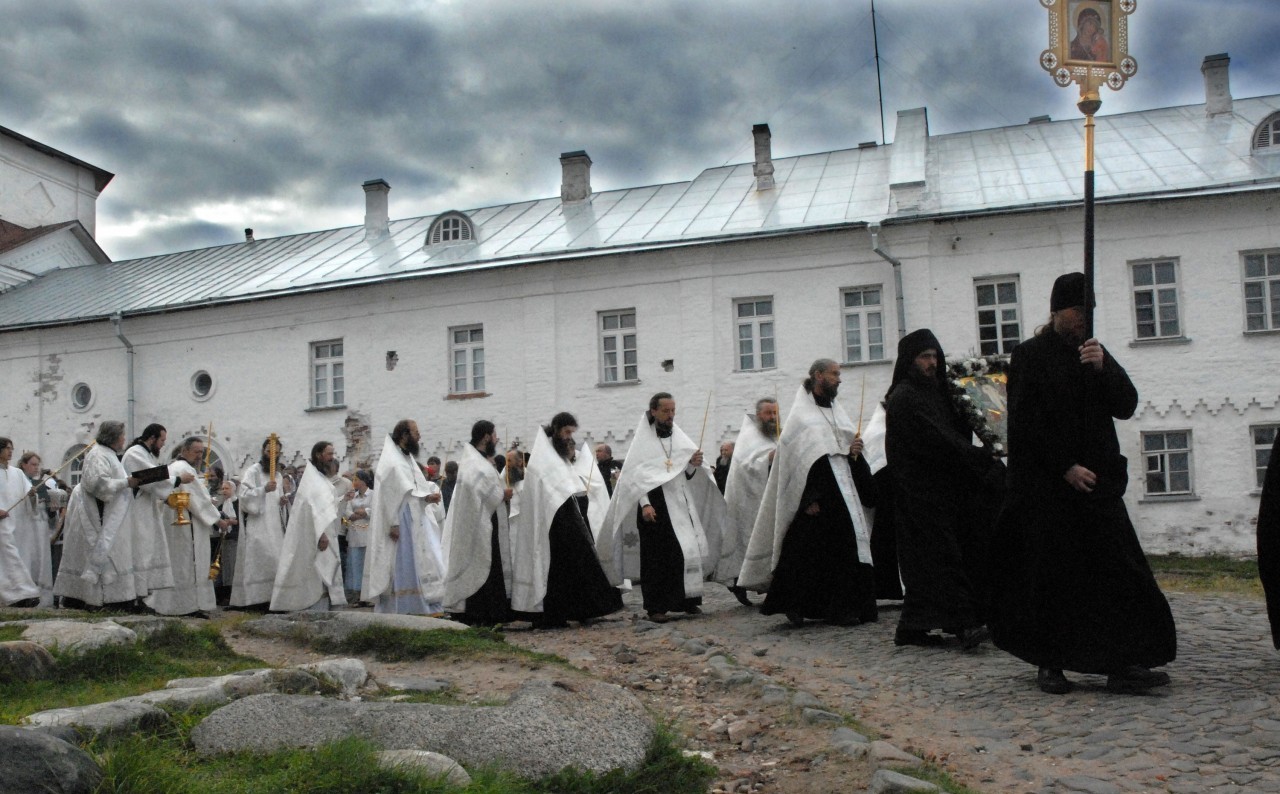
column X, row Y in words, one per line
column 25, row 661
column 337, row 626
column 71, row 636
column 544, row 727
column 114, row 718
column 35, row 761
column 289, row 681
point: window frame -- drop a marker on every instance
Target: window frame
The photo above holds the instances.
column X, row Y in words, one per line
column 756, row 336
column 1003, row 345
column 1153, row 289
column 864, row 310
column 451, row 228
column 1270, row 288
column 1166, row 470
column 469, row 348
column 1260, row 471
column 618, row 336
column 334, row 377
column 1266, row 138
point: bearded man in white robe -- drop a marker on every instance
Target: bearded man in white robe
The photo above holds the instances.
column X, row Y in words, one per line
column 97, row 549
column 753, row 453
column 811, row 544
column 261, row 500
column 403, row 561
column 150, row 515
column 477, row 535
column 309, row 576
column 667, row 498
column 31, row 527
column 188, row 544
column 17, row 588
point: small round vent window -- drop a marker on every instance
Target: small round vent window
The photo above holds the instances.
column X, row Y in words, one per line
column 81, row 396
column 201, row 385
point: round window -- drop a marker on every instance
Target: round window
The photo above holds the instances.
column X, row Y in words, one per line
column 81, row 396
column 201, row 385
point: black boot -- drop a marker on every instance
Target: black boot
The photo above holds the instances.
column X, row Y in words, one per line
column 1053, row 681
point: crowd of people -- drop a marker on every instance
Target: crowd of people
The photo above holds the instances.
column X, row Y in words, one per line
column 1039, row 557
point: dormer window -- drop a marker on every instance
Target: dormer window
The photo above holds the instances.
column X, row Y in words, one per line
column 451, row 227
column 1267, row 138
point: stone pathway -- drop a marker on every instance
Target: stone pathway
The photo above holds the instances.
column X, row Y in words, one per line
column 1216, row 728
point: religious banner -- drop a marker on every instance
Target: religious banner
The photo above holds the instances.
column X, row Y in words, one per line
column 979, row 390
column 1089, row 43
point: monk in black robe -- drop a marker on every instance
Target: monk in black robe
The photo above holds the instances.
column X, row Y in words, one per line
column 946, row 492
column 1073, row 589
column 1269, row 540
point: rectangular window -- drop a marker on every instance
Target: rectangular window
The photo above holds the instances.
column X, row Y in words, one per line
column 863, row 324
column 1155, row 299
column 327, row 381
column 1263, row 437
column 1262, row 291
column 466, row 352
column 753, row 320
column 1168, row 462
column 999, row 323
column 618, row 357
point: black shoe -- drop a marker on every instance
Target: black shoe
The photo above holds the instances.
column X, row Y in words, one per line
column 1139, row 673
column 1135, row 681
column 971, row 638
column 917, row 637
column 796, row 618
column 740, row 593
column 659, row 617
column 1053, row 681
column 693, row 610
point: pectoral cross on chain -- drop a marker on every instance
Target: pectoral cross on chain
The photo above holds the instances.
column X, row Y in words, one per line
column 668, row 464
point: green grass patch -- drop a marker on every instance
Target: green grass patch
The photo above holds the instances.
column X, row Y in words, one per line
column 165, row 762
column 389, row 644
column 11, row 633
column 932, row 773
column 1213, row 574
column 117, row 671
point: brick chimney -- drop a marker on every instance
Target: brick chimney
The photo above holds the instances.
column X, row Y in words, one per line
column 248, row 235
column 377, row 223
column 1217, row 83
column 575, row 177
column 763, row 168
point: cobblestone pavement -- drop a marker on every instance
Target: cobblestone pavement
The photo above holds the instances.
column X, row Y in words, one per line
column 1215, row 728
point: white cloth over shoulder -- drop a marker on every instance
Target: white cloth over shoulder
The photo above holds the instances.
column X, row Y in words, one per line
column 261, row 536
column 809, row 434
column 652, row 463
column 549, row 482
column 97, row 550
column 401, row 484
column 188, row 548
column 594, row 484
column 150, row 517
column 467, row 529
column 16, row 582
column 752, row 457
column 873, row 440
column 305, row 573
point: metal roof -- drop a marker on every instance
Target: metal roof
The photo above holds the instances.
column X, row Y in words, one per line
column 1146, row 154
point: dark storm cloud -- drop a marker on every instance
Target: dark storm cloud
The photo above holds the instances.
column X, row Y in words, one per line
column 221, row 115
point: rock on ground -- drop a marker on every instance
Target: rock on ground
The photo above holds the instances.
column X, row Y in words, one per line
column 338, row 626
column 426, row 761
column 77, row 637
column 35, row 761
column 25, row 661
column 886, row 782
column 114, row 718
column 544, row 727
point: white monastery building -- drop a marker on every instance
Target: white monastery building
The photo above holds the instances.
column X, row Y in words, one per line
column 727, row 285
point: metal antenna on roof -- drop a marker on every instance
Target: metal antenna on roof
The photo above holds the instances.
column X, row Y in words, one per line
column 875, row 40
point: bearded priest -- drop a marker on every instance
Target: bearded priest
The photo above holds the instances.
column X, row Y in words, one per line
column 477, row 539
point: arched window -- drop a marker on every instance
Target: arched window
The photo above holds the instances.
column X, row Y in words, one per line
column 1267, row 138
column 76, row 468
column 451, row 227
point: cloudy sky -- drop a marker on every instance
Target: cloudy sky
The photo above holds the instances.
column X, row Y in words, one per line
column 216, row 116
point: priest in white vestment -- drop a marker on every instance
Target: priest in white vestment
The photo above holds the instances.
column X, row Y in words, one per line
column 17, row 588
column 310, row 572
column 753, row 453
column 477, row 537
column 150, row 515
column 556, row 575
column 810, row 546
column 666, row 500
column 261, row 500
column 403, row 561
column 192, row 590
column 595, row 486
column 31, row 528
column 97, row 549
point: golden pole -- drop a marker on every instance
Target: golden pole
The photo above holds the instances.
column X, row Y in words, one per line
column 705, row 414
column 208, row 451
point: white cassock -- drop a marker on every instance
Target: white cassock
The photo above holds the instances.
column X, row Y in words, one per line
column 593, row 483
column 305, row 574
column 405, row 575
column 549, row 482
column 809, row 434
column 261, row 535
column 150, row 517
column 97, row 547
column 752, row 457
column 695, row 505
column 16, row 582
column 467, row 529
column 188, row 546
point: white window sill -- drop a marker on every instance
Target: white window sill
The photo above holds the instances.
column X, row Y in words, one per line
column 1160, row 340
column 1263, row 332
column 467, row 395
column 318, row 409
column 1173, row 497
column 844, row 364
column 615, row 383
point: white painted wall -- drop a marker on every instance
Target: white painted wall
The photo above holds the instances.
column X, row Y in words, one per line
column 39, row 189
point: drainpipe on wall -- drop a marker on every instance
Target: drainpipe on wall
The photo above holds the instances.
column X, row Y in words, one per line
column 115, row 323
column 874, row 228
